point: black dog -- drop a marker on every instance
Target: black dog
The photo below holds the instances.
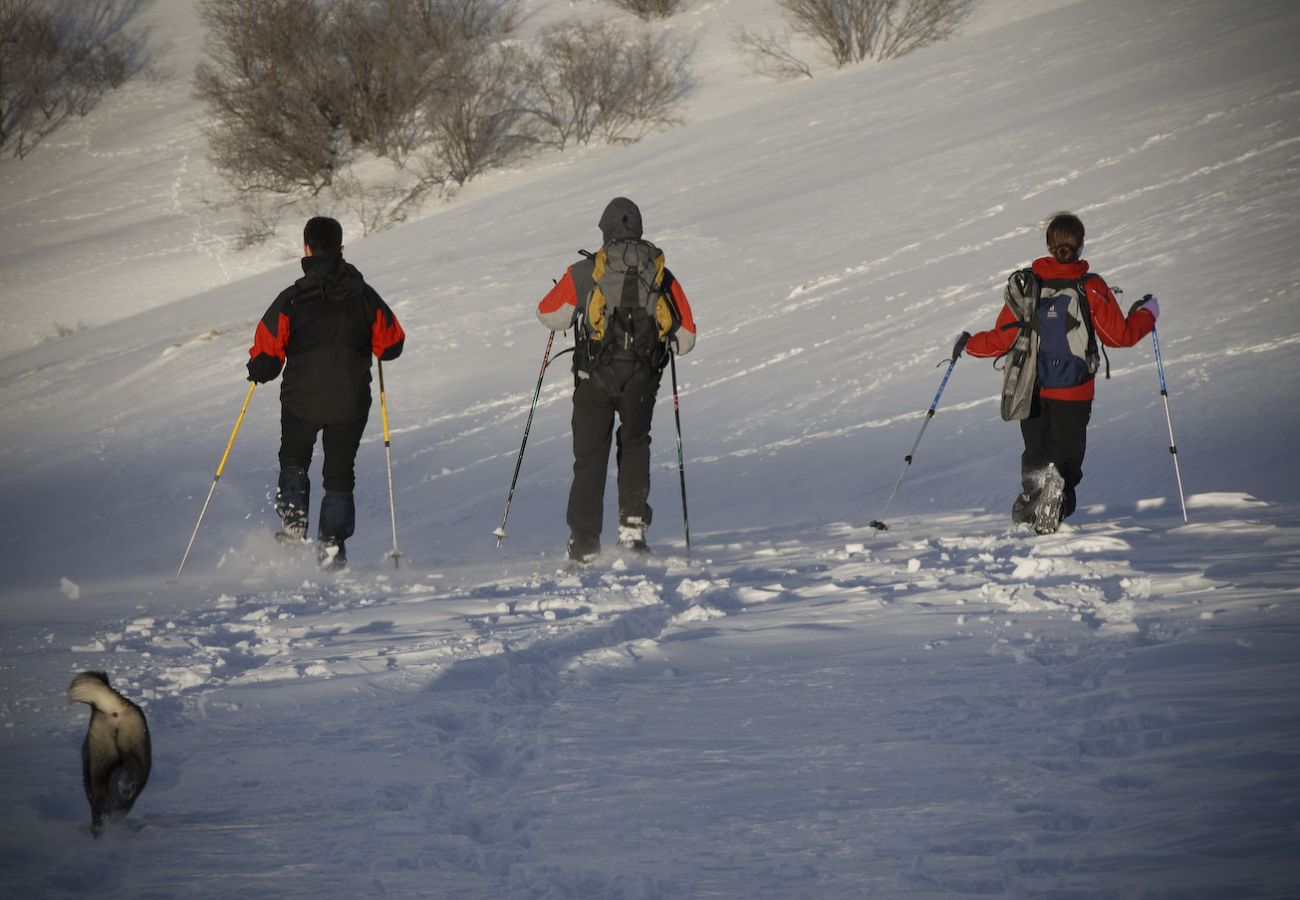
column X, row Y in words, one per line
column 116, row 755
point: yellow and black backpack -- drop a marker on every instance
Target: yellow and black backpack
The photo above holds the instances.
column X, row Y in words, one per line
column 626, row 314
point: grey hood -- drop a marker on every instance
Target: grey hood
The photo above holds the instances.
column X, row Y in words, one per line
column 621, row 220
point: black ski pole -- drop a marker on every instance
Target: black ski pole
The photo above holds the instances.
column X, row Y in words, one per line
column 681, row 463
column 500, row 531
column 1164, row 395
column 879, row 524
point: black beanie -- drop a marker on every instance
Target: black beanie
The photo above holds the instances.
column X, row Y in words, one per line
column 323, row 235
column 621, row 220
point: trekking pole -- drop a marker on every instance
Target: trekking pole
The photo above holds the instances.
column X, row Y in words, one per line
column 394, row 554
column 221, row 465
column 681, row 463
column 500, row 530
column 1164, row 395
column 879, row 524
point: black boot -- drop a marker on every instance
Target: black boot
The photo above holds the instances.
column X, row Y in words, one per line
column 338, row 519
column 582, row 552
column 292, row 497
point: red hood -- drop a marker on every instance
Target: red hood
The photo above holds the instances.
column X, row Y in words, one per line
column 1048, row 268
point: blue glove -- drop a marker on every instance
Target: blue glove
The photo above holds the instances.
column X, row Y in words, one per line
column 1149, row 303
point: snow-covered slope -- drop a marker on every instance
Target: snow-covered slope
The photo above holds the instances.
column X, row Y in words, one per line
column 807, row 708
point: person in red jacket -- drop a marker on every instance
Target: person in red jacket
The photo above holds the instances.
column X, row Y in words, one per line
column 322, row 331
column 628, row 313
column 1055, row 430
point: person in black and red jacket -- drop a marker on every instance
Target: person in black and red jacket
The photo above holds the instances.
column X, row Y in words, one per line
column 1055, row 432
column 322, row 331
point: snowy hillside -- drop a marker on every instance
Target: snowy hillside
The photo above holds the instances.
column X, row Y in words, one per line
column 806, row 708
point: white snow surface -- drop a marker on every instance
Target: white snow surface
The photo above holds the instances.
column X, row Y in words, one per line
column 804, row 708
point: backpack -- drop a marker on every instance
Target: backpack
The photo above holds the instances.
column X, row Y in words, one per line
column 626, row 314
column 1056, row 346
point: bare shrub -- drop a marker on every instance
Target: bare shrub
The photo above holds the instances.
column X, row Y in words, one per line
column 297, row 88
column 304, row 96
column 270, row 89
column 478, row 119
column 57, row 61
column 393, row 55
column 648, row 9
column 853, row 30
column 771, row 55
column 592, row 78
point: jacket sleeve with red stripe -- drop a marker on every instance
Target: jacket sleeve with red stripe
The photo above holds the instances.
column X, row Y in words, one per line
column 684, row 333
column 1113, row 328
column 266, row 356
column 386, row 335
column 557, row 309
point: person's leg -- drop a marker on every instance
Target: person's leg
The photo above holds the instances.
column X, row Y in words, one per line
column 1033, row 461
column 593, row 424
column 1068, row 440
column 635, row 412
column 338, row 515
column 293, row 492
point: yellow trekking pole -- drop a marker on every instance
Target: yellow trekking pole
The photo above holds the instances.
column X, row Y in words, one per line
column 221, row 465
column 394, row 554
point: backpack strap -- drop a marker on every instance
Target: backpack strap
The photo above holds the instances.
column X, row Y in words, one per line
column 1086, row 309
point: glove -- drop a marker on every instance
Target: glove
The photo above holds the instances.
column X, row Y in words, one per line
column 263, row 368
column 1149, row 303
column 960, row 344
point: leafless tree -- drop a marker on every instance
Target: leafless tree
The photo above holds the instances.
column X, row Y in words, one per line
column 592, row 78
column 853, row 30
column 771, row 55
column 271, row 89
column 478, row 119
column 649, row 9
column 57, row 61
column 429, row 93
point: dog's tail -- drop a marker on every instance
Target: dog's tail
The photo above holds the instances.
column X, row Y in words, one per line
column 93, row 688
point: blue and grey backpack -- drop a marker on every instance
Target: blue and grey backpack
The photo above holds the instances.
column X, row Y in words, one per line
column 1057, row 344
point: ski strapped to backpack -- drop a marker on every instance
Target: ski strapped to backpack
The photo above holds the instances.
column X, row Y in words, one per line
column 1056, row 345
column 627, row 313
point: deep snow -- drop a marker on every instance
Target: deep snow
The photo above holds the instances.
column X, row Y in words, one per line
column 806, row 708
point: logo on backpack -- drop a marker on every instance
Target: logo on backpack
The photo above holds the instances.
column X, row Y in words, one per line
column 626, row 314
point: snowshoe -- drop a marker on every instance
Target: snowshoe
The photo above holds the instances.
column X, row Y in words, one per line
column 1047, row 509
column 1022, row 510
column 631, row 536
column 331, row 555
column 581, row 555
column 287, row 537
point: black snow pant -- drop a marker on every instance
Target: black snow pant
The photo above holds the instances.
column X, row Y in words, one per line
column 1055, row 432
column 626, row 389
column 340, row 442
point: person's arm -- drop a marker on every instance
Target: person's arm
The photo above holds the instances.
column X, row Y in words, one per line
column 1109, row 322
column 557, row 309
column 386, row 335
column 998, row 339
column 266, row 356
column 684, row 334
